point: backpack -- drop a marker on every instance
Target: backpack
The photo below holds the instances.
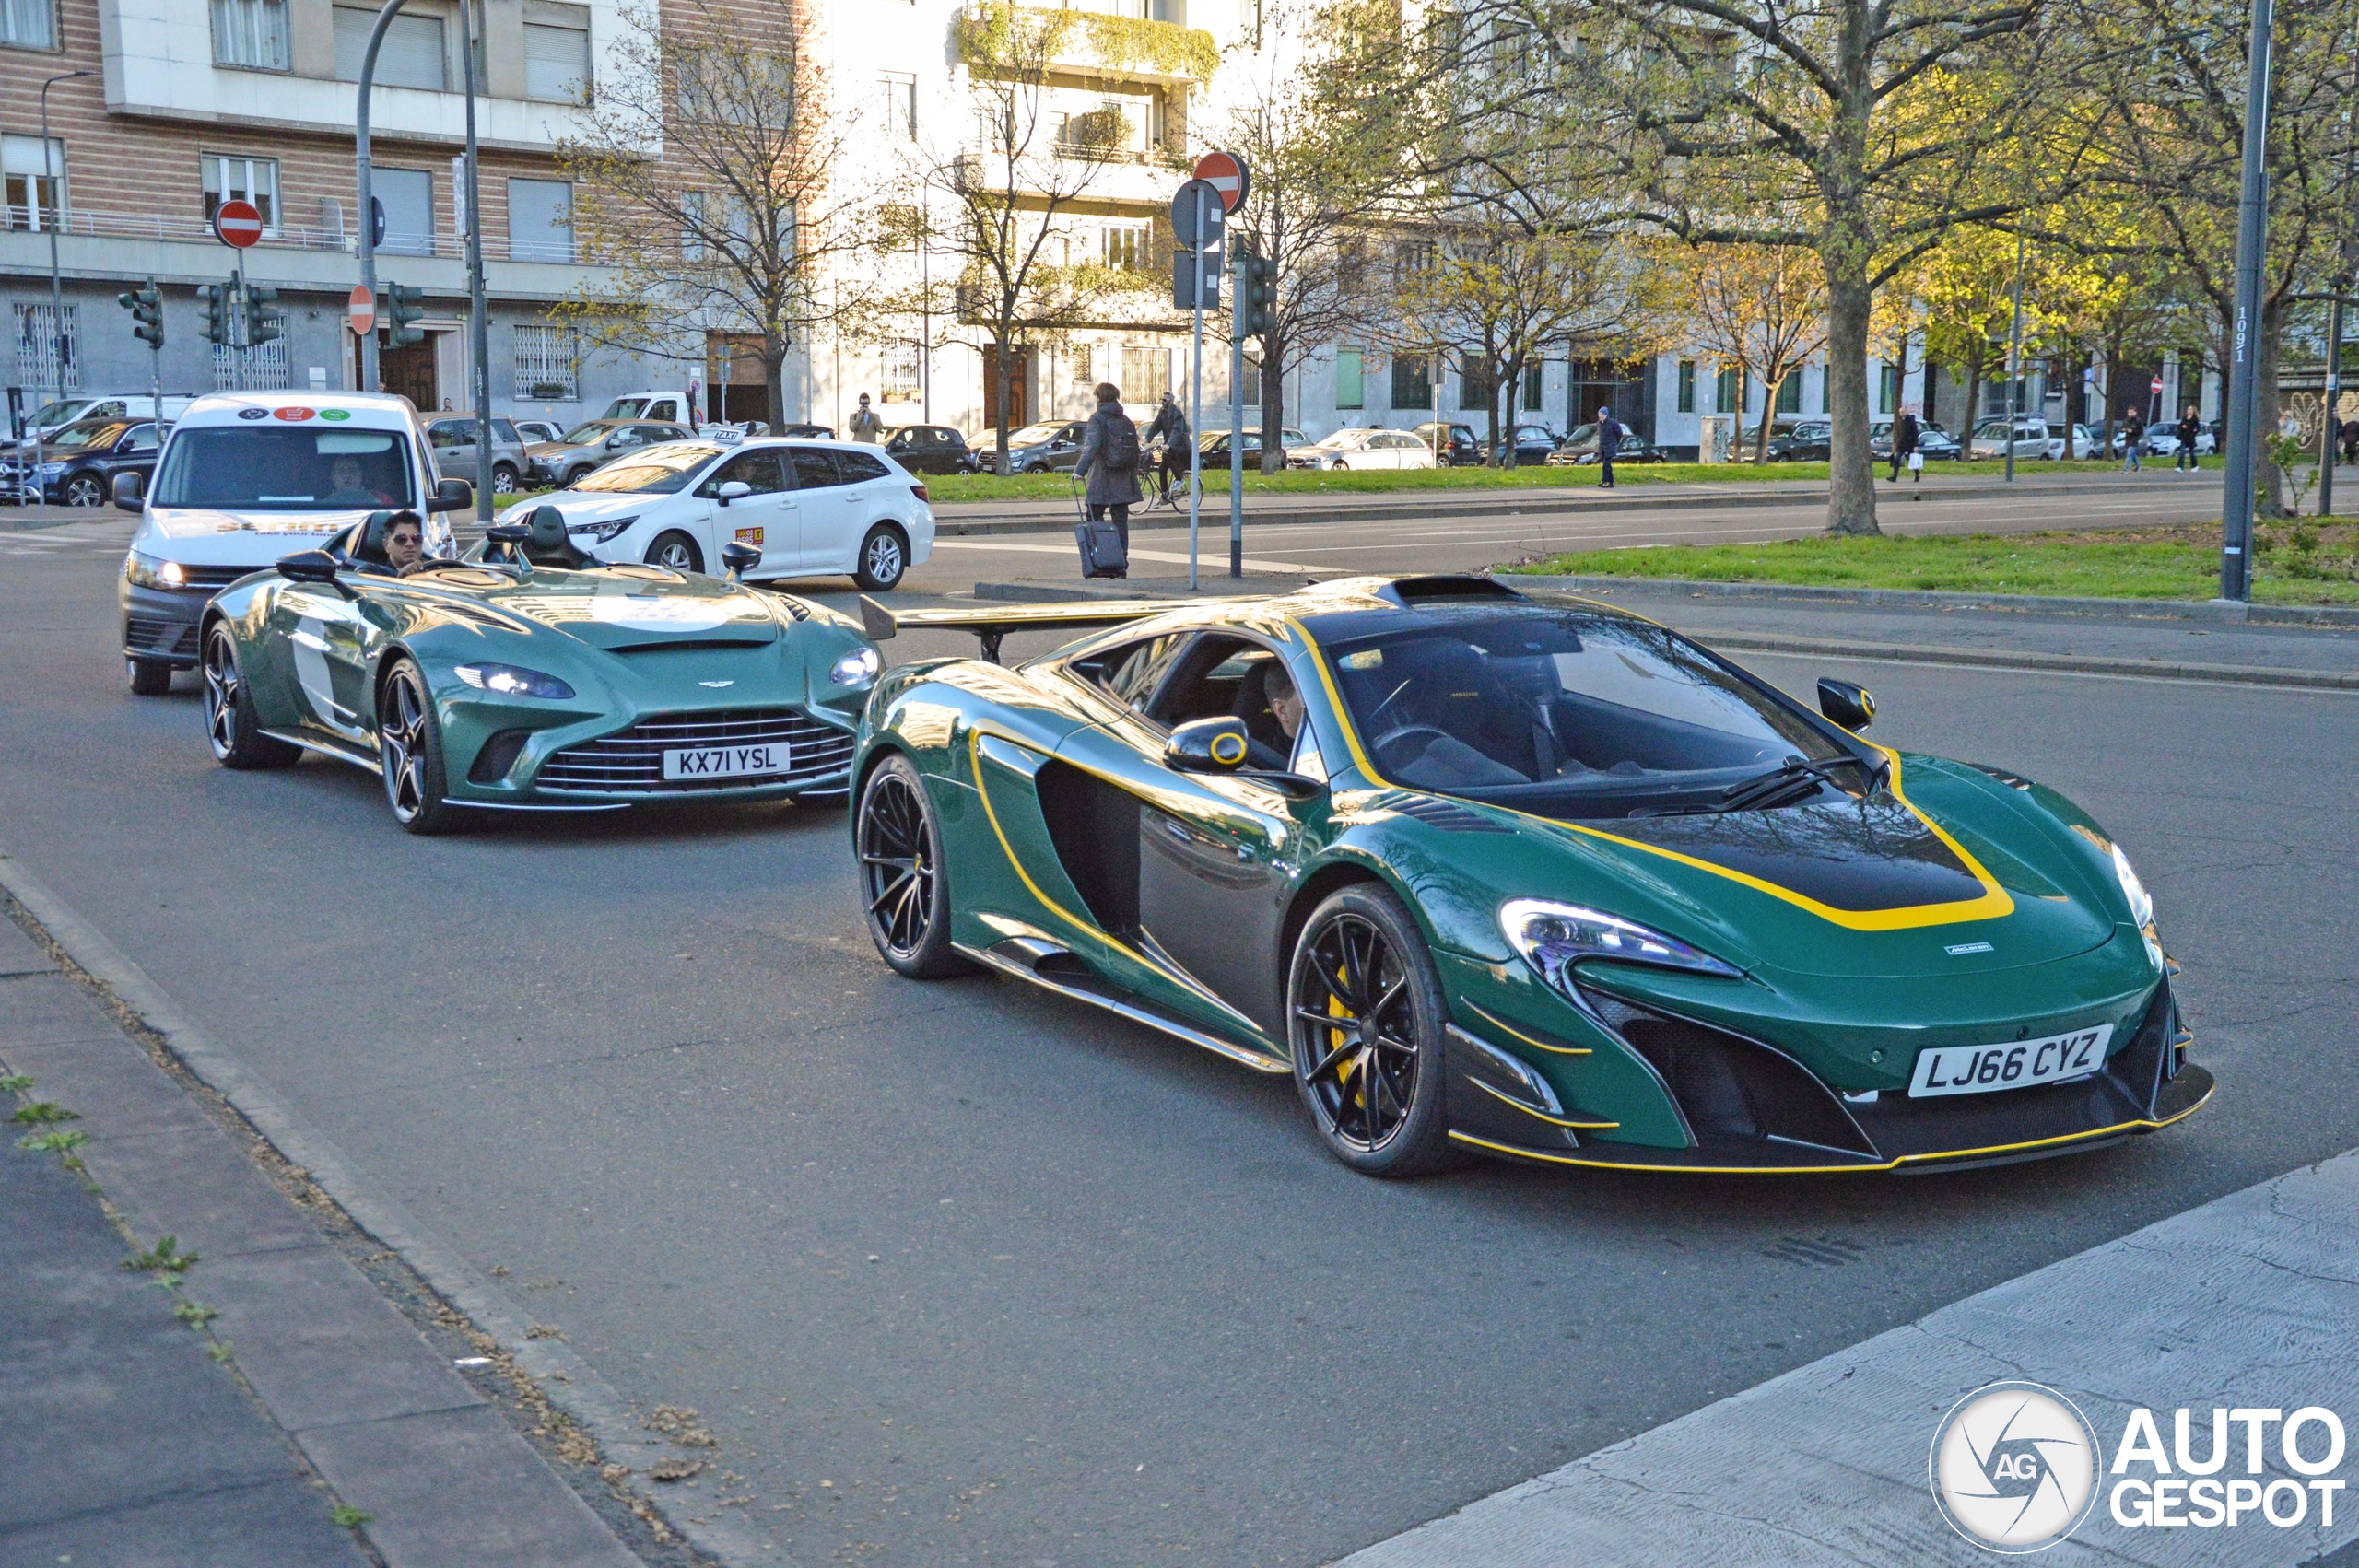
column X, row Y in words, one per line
column 1121, row 441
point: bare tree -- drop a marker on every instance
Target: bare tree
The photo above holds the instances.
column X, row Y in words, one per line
column 703, row 189
column 1761, row 307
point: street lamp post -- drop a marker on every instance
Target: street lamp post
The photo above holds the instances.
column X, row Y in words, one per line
column 478, row 324
column 370, row 380
column 58, row 340
column 2244, row 358
column 2014, row 363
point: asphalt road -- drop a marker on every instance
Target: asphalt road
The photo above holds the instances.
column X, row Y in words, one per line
column 961, row 1274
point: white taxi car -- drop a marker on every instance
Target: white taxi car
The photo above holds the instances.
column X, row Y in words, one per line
column 813, row 509
column 1364, row 448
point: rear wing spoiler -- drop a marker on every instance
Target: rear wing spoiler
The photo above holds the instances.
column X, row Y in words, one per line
column 992, row 624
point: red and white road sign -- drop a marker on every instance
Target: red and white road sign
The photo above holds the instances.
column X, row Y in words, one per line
column 237, row 224
column 1225, row 173
column 360, row 310
column 2156, row 385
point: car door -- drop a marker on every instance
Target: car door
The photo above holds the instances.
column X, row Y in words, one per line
column 825, row 539
column 320, row 627
column 136, row 453
column 768, row 517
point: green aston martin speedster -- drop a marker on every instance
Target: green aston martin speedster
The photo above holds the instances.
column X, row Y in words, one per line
column 1537, row 878
column 530, row 678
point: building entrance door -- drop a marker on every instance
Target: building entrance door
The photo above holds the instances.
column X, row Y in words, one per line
column 1019, row 388
column 410, row 371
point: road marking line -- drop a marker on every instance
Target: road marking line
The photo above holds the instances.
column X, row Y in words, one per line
column 2247, row 1300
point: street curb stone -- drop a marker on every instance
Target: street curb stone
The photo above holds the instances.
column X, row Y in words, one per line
column 563, row 1376
column 2227, row 612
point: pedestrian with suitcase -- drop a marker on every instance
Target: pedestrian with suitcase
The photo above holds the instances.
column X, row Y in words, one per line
column 1109, row 460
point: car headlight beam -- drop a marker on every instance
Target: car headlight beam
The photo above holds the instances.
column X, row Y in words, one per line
column 2142, row 902
column 510, row 679
column 1553, row 937
column 600, row 531
column 146, row 571
column 860, row 664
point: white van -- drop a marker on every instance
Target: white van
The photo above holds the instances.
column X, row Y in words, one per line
column 58, row 413
column 246, row 478
column 673, row 405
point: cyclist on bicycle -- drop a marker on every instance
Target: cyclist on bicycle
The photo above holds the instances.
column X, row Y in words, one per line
column 1171, row 426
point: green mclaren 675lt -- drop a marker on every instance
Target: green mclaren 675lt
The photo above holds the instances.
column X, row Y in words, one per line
column 1519, row 875
column 529, row 677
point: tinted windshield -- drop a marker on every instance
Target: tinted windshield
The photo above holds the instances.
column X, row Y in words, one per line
column 1560, row 713
column 626, row 408
column 583, row 435
column 98, row 434
column 243, row 468
column 1582, row 433
column 659, row 471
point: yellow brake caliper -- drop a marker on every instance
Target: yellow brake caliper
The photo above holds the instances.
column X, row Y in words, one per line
column 1335, row 1009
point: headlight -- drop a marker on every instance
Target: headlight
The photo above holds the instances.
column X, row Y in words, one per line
column 1553, row 937
column 859, row 665
column 146, row 571
column 2142, row 902
column 599, row 532
column 509, row 680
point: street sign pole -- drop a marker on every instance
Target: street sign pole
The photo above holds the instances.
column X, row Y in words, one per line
column 1237, row 416
column 2329, row 426
column 478, row 325
column 368, row 236
column 2243, row 411
column 1196, row 384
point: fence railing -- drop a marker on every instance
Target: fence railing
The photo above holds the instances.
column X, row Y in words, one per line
column 21, row 217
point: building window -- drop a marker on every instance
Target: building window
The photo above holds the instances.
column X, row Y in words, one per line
column 262, row 368
column 1413, row 381
column 413, row 55
column 36, row 187
column 1413, row 258
column 1790, row 392
column 407, row 197
column 1728, row 390
column 1127, row 246
column 1476, row 386
column 1085, row 361
column 1351, row 378
column 251, row 33
column 1532, row 387
column 254, row 180
column 548, row 364
column 1887, row 388
column 28, row 24
column 540, row 220
column 37, row 358
column 896, row 373
column 1251, row 390
column 557, row 55
column 1146, row 374
column 1687, row 386
column 900, row 94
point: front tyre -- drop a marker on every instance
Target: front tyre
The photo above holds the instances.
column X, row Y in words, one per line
column 902, row 879
column 231, row 727
column 146, row 677
column 884, row 558
column 1366, row 1018
column 674, row 551
column 84, row 490
column 409, row 749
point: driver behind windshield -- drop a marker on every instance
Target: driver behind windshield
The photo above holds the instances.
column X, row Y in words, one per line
column 349, row 486
column 406, row 545
column 1285, row 707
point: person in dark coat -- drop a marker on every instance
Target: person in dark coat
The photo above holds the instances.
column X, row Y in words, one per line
column 2133, row 439
column 1904, row 433
column 1609, row 441
column 2190, row 427
column 1109, row 460
column 1171, row 425
column 2349, row 432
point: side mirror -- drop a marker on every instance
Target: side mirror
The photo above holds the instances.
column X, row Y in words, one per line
column 308, row 565
column 1845, row 702
column 739, row 556
column 451, row 496
column 130, row 492
column 1206, row 745
column 732, row 490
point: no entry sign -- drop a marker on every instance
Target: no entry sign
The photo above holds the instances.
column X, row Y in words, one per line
column 237, row 224
column 360, row 310
column 2156, row 385
column 1225, row 173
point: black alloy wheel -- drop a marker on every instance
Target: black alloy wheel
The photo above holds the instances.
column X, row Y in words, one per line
column 674, row 551
column 230, row 726
column 884, row 556
column 85, row 490
column 901, row 878
column 1367, row 1018
column 409, row 750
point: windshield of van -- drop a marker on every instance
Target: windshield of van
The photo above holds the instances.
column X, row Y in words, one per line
column 624, row 408
column 239, row 468
column 61, row 410
column 659, row 471
column 1559, row 713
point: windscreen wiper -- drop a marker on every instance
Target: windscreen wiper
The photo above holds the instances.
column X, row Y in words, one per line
column 1793, row 779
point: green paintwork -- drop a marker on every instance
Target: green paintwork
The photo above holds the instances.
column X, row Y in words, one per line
column 313, row 655
column 1853, row 1006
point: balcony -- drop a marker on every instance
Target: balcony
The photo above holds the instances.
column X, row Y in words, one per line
column 1098, row 46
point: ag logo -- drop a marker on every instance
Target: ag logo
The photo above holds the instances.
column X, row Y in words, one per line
column 2014, row 1468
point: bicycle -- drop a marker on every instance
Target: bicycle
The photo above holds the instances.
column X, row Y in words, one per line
column 1168, row 491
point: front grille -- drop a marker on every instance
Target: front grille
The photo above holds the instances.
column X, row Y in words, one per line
column 212, row 579
column 632, row 761
column 149, row 633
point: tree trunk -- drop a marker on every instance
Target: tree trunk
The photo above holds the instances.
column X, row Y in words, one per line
column 774, row 375
column 1503, row 403
column 1769, row 389
column 1002, row 385
column 1851, row 475
column 1491, row 410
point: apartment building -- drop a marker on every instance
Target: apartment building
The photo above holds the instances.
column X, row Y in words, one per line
column 170, row 107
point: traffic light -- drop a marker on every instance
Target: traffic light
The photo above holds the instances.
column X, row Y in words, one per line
column 260, row 325
column 1257, row 297
column 403, row 307
column 214, row 299
column 146, row 307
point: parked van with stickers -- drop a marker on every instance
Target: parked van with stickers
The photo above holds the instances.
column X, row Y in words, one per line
column 246, row 478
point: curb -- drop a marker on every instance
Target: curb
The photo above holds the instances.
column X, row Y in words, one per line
column 949, row 521
column 1904, row 653
column 2219, row 610
column 567, row 1381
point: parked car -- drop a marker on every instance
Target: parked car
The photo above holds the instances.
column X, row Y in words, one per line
column 673, row 406
column 1036, row 448
column 536, row 431
column 1931, row 440
column 932, row 449
column 1215, row 444
column 1534, row 443
column 1579, row 449
column 58, row 413
column 582, row 450
column 453, row 440
column 1812, row 440
column 2034, row 439
column 1365, row 449
column 2162, row 440
column 79, row 462
column 801, row 432
column 1457, row 445
column 811, row 508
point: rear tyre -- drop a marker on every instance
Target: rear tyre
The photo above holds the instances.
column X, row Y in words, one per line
column 902, row 879
column 84, row 490
column 676, row 552
column 503, row 480
column 1366, row 1019
column 409, row 749
column 884, row 558
column 230, row 726
column 147, row 678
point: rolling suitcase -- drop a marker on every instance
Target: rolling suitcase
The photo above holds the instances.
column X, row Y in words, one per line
column 1102, row 552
